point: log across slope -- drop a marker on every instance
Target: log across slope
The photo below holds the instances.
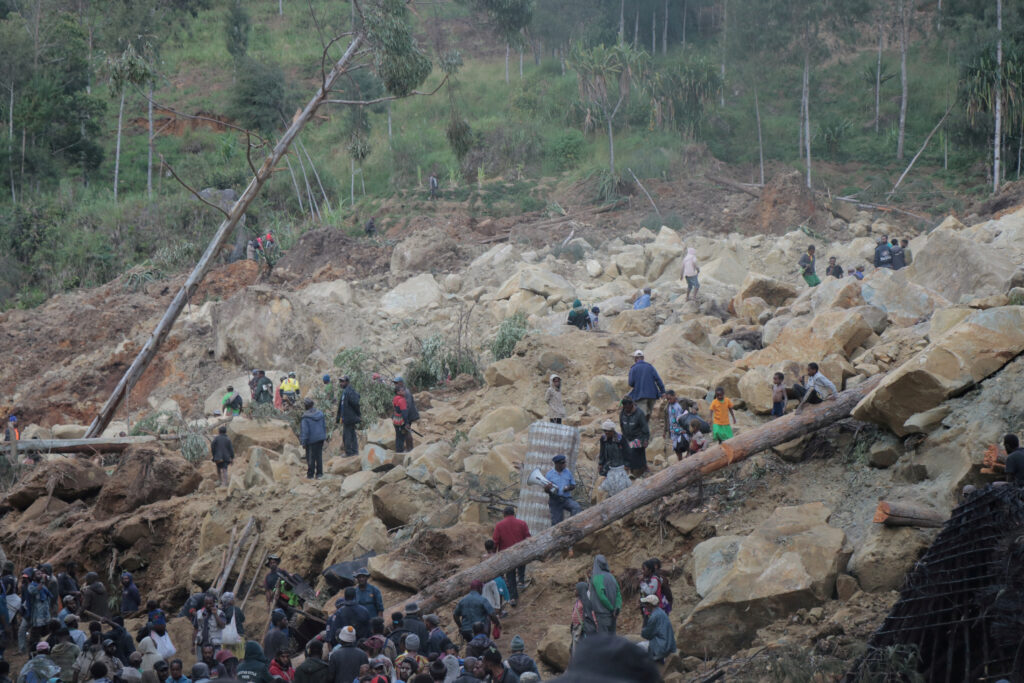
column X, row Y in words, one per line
column 669, row 480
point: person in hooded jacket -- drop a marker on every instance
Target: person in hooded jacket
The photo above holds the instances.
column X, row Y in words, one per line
column 131, row 600
column 312, row 434
column 584, row 621
column 313, row 669
column 94, row 596
column 605, row 596
column 254, row 668
column 349, row 613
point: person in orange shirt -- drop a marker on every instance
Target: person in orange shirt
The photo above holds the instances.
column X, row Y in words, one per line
column 721, row 412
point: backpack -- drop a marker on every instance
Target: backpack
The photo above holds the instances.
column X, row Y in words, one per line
column 236, row 402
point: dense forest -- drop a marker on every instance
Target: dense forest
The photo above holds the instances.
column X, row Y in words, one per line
column 114, row 112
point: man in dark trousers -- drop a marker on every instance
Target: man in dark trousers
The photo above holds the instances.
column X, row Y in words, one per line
column 312, row 434
column 411, row 416
column 223, row 454
column 349, row 415
column 507, row 533
column 345, row 661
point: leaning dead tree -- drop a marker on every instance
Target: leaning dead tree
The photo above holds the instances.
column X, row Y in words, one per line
column 382, row 39
column 644, row 492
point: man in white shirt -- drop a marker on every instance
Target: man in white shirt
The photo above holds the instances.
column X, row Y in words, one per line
column 815, row 386
column 161, row 638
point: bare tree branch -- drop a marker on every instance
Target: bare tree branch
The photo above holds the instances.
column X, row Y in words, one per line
column 388, row 98
column 163, row 162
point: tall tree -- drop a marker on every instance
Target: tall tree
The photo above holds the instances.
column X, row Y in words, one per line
column 605, row 77
column 903, row 8
column 128, row 70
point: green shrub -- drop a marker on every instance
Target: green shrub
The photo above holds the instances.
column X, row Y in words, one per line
column 510, row 331
column 440, row 361
column 374, row 397
column 567, row 149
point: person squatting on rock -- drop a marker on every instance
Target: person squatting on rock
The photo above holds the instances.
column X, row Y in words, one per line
column 553, row 397
column 815, row 385
column 312, row 434
column 560, row 487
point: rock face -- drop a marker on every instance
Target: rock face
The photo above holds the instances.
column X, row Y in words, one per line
column 773, row 292
column 146, row 476
column 956, row 266
column 712, row 560
column 904, row 301
column 414, row 295
column 788, row 563
column 259, row 472
column 835, row 331
column 505, row 372
column 886, row 554
column 971, row 351
column 500, row 419
column 262, row 326
column 270, row 434
column 71, row 479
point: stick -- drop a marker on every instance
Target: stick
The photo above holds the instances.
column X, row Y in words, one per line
column 739, row 187
column 641, row 185
column 254, row 578
column 226, row 229
column 224, row 555
column 923, row 145
column 112, row 445
column 219, row 587
column 899, row 513
column 669, row 480
column 245, row 563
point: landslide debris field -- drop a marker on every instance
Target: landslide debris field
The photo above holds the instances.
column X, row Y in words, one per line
column 773, row 563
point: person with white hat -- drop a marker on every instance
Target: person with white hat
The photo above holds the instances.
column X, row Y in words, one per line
column 645, row 383
column 345, row 661
column 661, row 639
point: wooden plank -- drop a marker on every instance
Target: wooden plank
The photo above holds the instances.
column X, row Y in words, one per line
column 900, row 513
column 646, row 491
column 111, row 445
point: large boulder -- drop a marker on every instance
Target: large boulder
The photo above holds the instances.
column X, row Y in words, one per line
column 145, row 476
column 416, row 294
column 273, row 435
column 755, row 386
column 681, row 361
column 788, row 563
column 833, row 293
column 774, row 292
column 905, row 302
column 958, row 267
column 422, row 250
column 382, row 433
column 262, row 326
column 972, row 350
column 70, row 479
column 505, row 372
column 839, row 331
column 631, row 261
column 539, row 281
column 554, row 648
column 500, row 419
column 606, row 391
column 401, row 502
column 260, row 471
column 642, row 322
column 886, row 554
column 712, row 560
column 67, row 431
column 333, row 292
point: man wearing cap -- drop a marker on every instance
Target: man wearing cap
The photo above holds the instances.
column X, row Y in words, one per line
column 349, row 415
column 273, row 577
column 561, row 485
column 661, row 638
column 474, row 609
column 349, row 613
column 519, row 661
column 413, row 623
column 645, row 382
column 411, row 414
column 367, row 595
column 40, row 668
column 507, row 533
column 344, row 663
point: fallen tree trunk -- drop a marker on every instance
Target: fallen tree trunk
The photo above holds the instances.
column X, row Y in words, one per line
column 226, row 229
column 112, row 445
column 898, row 513
column 752, row 190
column 668, row 481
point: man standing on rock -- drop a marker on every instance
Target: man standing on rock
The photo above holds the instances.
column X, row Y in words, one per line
column 883, row 253
column 553, row 397
column 815, row 386
column 898, row 258
column 312, row 434
column 412, row 415
column 560, row 486
column 806, row 265
column 690, row 272
column 231, row 403
column 367, row 595
column 264, row 388
column 636, row 435
column 646, row 384
column 223, row 453
column 1014, row 459
column 349, row 415
column 606, row 598
column 507, row 533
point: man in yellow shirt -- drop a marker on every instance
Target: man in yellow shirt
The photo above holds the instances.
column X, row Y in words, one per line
column 721, row 411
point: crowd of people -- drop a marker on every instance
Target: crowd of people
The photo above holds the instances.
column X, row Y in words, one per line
column 891, row 254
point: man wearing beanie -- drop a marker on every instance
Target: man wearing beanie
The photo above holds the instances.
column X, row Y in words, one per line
column 520, row 662
column 412, row 651
column 345, row 661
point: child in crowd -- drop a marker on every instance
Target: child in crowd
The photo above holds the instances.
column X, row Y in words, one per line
column 721, row 412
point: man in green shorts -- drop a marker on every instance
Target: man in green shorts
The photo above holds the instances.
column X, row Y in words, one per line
column 721, row 411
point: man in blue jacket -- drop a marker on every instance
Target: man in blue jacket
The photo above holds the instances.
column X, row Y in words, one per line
column 312, row 434
column 349, row 415
column 646, row 384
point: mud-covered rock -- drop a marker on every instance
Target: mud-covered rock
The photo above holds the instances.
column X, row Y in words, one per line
column 146, row 476
column 66, row 478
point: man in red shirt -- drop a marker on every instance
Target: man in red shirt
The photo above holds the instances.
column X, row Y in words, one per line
column 507, row 533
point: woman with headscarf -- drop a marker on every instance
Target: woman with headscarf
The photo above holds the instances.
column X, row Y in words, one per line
column 553, row 397
column 578, row 316
column 611, row 460
column 584, row 622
